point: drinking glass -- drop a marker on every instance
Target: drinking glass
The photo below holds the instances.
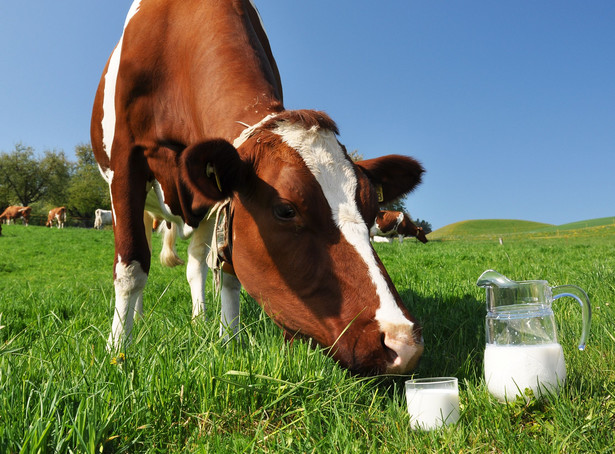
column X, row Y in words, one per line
column 432, row 402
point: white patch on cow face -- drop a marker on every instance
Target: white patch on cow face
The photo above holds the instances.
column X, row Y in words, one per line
column 108, row 120
column 325, row 158
column 246, row 133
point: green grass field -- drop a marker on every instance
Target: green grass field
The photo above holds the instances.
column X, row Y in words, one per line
column 181, row 389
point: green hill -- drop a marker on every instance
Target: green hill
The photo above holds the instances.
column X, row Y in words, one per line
column 490, row 228
column 590, row 223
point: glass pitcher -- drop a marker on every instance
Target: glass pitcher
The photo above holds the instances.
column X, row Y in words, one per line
column 522, row 347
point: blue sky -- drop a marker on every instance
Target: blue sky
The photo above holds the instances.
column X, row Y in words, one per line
column 509, row 105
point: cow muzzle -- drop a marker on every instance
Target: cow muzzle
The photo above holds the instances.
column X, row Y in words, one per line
column 404, row 344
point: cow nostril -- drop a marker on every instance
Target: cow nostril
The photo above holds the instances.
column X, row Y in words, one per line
column 404, row 351
column 390, row 354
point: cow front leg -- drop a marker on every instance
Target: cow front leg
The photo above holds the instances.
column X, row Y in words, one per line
column 129, row 282
column 196, row 268
column 229, row 316
column 132, row 254
column 148, row 220
column 139, row 307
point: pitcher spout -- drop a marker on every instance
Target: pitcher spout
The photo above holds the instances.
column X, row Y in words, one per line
column 492, row 278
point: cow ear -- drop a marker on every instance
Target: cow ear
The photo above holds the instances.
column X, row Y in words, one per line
column 211, row 170
column 393, row 176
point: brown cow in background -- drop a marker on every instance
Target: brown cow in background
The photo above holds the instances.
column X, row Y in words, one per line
column 59, row 215
column 15, row 212
column 391, row 223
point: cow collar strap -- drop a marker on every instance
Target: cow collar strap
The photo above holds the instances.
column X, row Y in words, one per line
column 219, row 256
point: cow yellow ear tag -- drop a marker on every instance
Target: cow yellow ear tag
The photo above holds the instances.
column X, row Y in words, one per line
column 380, row 193
column 211, row 170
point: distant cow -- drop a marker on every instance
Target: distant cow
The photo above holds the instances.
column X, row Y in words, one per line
column 58, row 215
column 189, row 124
column 396, row 223
column 102, row 217
column 15, row 212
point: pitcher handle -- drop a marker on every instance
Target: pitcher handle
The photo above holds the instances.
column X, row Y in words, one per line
column 578, row 294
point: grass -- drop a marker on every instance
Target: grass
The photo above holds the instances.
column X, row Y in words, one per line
column 182, row 389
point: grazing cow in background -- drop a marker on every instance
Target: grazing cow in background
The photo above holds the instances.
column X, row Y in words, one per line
column 15, row 212
column 101, row 218
column 396, row 223
column 188, row 123
column 57, row 214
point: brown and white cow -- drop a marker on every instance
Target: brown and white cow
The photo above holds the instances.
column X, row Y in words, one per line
column 58, row 215
column 15, row 212
column 396, row 223
column 188, row 123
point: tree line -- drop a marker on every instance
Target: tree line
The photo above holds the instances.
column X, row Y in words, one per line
column 52, row 180
column 49, row 181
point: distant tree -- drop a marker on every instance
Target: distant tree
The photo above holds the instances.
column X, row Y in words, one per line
column 27, row 179
column 424, row 224
column 395, row 205
column 58, row 171
column 5, row 196
column 87, row 190
column 355, row 156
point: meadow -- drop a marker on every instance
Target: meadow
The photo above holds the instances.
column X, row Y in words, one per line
column 180, row 388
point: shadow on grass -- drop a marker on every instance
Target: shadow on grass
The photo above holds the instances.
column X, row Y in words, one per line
column 454, row 335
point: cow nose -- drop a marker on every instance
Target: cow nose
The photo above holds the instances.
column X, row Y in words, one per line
column 404, row 348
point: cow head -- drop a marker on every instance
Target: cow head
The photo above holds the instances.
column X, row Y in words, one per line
column 408, row 228
column 300, row 235
column 420, row 235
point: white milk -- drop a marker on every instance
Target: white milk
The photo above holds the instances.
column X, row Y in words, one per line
column 510, row 368
column 427, row 407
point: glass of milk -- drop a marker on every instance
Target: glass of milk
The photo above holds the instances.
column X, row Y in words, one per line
column 522, row 350
column 432, row 402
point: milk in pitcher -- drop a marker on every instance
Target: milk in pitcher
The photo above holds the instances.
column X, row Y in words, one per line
column 510, row 369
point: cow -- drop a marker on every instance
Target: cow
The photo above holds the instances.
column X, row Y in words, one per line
column 101, row 218
column 189, row 123
column 395, row 223
column 58, row 215
column 15, row 212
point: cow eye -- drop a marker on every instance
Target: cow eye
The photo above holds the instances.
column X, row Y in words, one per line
column 284, row 211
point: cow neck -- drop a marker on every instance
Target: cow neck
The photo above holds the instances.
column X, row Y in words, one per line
column 220, row 257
